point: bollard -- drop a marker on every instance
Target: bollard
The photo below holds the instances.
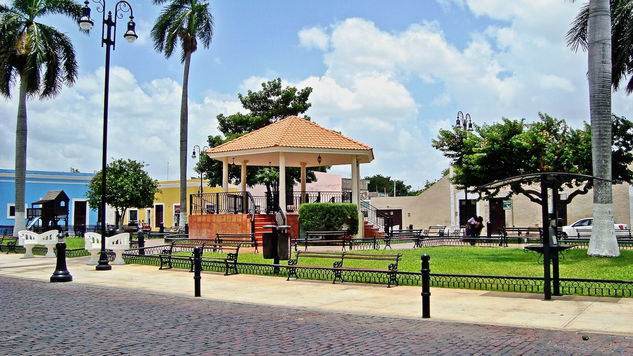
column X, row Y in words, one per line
column 61, row 273
column 426, row 288
column 141, row 242
column 197, row 267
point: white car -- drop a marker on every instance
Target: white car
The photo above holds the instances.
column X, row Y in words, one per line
column 582, row 229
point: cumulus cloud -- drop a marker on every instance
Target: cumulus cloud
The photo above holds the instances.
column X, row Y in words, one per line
column 313, row 38
column 143, row 124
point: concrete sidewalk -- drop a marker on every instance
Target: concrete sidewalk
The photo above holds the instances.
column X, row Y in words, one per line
column 569, row 313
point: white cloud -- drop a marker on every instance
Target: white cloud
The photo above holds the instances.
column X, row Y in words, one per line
column 313, row 38
column 143, row 124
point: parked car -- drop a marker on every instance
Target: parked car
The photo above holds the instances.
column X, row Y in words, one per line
column 582, row 229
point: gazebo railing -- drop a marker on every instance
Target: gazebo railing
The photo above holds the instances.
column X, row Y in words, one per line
column 222, row 203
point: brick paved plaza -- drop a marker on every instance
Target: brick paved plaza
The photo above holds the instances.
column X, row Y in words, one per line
column 42, row 318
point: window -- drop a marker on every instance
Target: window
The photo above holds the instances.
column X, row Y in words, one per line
column 132, row 215
column 11, row 211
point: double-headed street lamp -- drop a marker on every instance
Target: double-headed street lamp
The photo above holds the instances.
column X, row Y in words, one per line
column 466, row 124
column 108, row 38
column 193, row 155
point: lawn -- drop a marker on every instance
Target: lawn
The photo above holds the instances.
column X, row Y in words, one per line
column 574, row 263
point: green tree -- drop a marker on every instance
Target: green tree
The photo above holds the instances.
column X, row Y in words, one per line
column 128, row 185
column 42, row 59
column 266, row 106
column 183, row 21
column 382, row 184
column 598, row 43
column 512, row 147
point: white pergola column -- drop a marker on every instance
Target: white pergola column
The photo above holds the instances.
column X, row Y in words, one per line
column 225, row 174
column 243, row 175
column 243, row 187
column 303, row 182
column 282, row 181
column 356, row 195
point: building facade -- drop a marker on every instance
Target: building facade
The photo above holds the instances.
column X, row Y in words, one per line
column 38, row 183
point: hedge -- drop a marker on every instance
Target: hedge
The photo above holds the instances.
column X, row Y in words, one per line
column 329, row 217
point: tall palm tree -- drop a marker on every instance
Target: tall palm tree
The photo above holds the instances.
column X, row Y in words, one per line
column 598, row 34
column 621, row 39
column 41, row 59
column 183, row 21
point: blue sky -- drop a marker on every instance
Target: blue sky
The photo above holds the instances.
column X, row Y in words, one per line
column 389, row 74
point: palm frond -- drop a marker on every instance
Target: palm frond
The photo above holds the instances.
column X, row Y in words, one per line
column 577, row 35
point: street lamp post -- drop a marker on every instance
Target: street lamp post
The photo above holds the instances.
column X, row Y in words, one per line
column 193, row 155
column 465, row 123
column 108, row 38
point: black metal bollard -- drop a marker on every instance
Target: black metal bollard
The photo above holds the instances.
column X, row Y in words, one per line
column 426, row 287
column 61, row 273
column 197, row 267
column 141, row 242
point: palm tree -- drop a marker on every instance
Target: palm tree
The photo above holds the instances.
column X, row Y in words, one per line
column 184, row 21
column 598, row 34
column 621, row 39
column 41, row 59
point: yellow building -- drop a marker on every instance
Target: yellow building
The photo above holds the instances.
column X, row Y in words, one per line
column 166, row 207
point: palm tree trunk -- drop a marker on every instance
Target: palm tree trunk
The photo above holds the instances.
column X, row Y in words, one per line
column 20, row 160
column 603, row 241
column 184, row 118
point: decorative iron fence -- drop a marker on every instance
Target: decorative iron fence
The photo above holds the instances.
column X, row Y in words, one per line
column 568, row 286
column 222, row 203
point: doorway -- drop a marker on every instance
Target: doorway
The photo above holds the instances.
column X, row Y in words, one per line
column 467, row 209
column 79, row 216
column 158, row 215
column 497, row 215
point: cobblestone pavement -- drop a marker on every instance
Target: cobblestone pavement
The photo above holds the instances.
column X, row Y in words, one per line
column 41, row 318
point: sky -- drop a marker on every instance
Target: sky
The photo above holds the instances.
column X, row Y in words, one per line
column 389, row 74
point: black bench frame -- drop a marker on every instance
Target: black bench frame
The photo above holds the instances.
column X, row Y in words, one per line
column 230, row 260
column 237, row 239
column 339, row 259
column 326, row 237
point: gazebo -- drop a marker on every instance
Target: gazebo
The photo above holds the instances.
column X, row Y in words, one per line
column 293, row 142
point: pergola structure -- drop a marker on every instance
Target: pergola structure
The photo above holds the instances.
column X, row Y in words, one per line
column 293, row 142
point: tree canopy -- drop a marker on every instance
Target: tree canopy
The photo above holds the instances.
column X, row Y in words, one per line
column 514, row 147
column 266, row 106
column 382, row 184
column 128, row 185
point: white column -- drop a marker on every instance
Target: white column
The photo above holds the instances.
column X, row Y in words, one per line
column 303, row 182
column 225, row 174
column 356, row 196
column 282, row 181
column 243, row 175
column 451, row 192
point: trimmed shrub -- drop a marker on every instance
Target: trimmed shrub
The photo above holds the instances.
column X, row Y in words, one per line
column 329, row 217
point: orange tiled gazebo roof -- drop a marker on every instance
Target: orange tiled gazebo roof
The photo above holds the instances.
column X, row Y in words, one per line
column 300, row 140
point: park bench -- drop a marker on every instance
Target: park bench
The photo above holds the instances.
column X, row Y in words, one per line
column 322, row 238
column 522, row 233
column 237, row 239
column 414, row 235
column 29, row 239
column 167, row 256
column 434, row 230
column 117, row 243
column 339, row 260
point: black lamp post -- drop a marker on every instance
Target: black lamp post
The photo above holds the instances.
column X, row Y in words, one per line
column 108, row 38
column 466, row 124
column 193, row 155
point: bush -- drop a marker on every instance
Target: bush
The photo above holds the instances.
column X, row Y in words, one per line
column 329, row 217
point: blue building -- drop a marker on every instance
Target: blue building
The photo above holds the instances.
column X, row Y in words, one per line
column 38, row 183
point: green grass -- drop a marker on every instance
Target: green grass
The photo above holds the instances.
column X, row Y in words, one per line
column 574, row 263
column 73, row 243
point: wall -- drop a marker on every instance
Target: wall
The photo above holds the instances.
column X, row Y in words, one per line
column 206, row 226
column 75, row 185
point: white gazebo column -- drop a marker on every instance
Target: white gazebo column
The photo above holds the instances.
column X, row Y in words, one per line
column 225, row 174
column 243, row 187
column 356, row 195
column 303, row 182
column 282, row 181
